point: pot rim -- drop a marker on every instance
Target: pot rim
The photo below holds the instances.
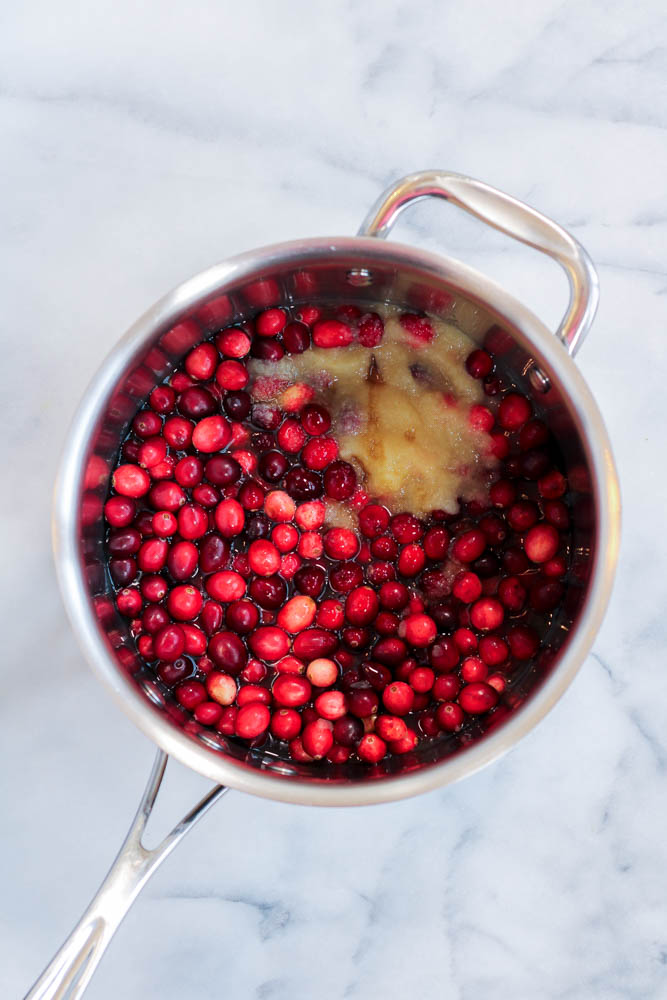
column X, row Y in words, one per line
column 224, row 769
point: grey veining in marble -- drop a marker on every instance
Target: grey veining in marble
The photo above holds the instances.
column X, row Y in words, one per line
column 141, row 142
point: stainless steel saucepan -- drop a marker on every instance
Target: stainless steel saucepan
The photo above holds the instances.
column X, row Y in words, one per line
column 362, row 268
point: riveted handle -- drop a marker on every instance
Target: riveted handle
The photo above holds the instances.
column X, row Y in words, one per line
column 510, row 216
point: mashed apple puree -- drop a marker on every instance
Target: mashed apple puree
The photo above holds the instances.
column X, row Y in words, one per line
column 401, row 414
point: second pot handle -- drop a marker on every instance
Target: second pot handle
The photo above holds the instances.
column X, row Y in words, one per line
column 510, row 216
column 70, row 970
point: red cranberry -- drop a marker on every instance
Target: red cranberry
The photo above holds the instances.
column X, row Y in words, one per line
column 419, row 327
column 546, row 595
column 523, row 642
column 310, row 580
column 232, row 376
column 411, row 560
column 514, row 411
column 534, row 464
column 314, row 643
column 493, row 650
column 190, row 694
column 469, row 545
column 362, row 702
column 272, row 466
column 242, row 616
column 169, row 643
column 419, row 630
column 361, row 606
column 340, row 543
column 533, row 435
column 390, row 651
column 237, row 405
column 315, row 419
column 131, row 481
column 257, row 526
column 285, row 724
column 184, row 603
column 303, row 484
column 172, row 673
column 479, row 364
column 196, row 403
column 371, row 330
column 371, row 748
column 515, row 561
column 445, row 687
column 267, row 350
column 264, row 558
column 226, row 586
column 296, row 338
column 269, row 592
column 162, row 399
column 291, row 690
column 467, row 587
column 317, row 738
column 270, row 322
column 120, row 511
column 444, row 655
column 124, row 543
column 269, row 643
column 251, row 496
column 229, row 518
column 252, row 720
column 291, row 436
column 449, row 716
column 340, row 481
column 348, row 730
column 332, row 333
column 477, row 698
column 211, row 434
column 227, row 650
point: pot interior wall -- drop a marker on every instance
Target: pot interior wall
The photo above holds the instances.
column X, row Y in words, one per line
column 322, row 278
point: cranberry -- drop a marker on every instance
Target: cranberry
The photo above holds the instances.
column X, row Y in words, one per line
column 190, row 694
column 221, row 688
column 515, row 561
column 444, row 616
column 313, row 643
column 341, row 543
column 211, row 434
column 166, row 496
column 272, row 466
column 192, row 522
column 227, row 722
column 523, row 642
column 533, row 435
column 310, row 545
column 449, row 716
column 124, row 543
column 444, row 655
column 445, row 687
column 227, row 650
column 361, row 606
column 477, row 698
column 146, row 424
column 332, row 333
column 291, row 690
column 285, row 724
column 269, row 592
column 303, row 484
column 257, row 526
column 371, row 330
column 340, row 481
column 120, row 511
column 493, row 650
column 196, row 403
column 419, row 630
column 371, row 748
column 226, row 586
column 162, row 399
column 487, row 614
column 252, row 720
column 348, row 730
column 296, row 338
column 310, row 580
column 242, row 616
column 184, row 603
column 169, row 643
column 269, row 643
column 297, row 614
column 541, row 543
column 411, row 560
column 393, row 596
column 267, row 350
column 467, row 587
column 389, row 651
column 201, row 361
column 131, row 481
column 522, row 515
column 479, row 364
column 229, row 518
column 362, row 702
column 469, row 545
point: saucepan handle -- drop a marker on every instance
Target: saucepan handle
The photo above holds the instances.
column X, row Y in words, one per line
column 510, row 216
column 70, row 970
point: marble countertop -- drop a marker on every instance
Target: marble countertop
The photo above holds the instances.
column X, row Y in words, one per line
column 142, row 142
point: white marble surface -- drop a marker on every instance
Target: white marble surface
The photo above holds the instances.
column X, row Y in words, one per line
column 142, row 142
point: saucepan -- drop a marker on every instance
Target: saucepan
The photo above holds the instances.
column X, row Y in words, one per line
column 364, row 269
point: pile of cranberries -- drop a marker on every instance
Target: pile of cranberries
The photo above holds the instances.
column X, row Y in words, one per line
column 325, row 643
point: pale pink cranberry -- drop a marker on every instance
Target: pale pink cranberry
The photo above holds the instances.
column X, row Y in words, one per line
column 232, row 376
column 252, row 720
column 297, row 614
column 221, row 687
column 398, row 698
column 332, row 333
column 322, row 673
column 371, row 748
column 310, row 516
column 419, row 630
column 331, row 705
column 131, row 481
column 541, row 543
column 226, row 586
column 311, row 545
column 514, row 411
column 340, row 543
column 269, row 643
column 291, row 690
